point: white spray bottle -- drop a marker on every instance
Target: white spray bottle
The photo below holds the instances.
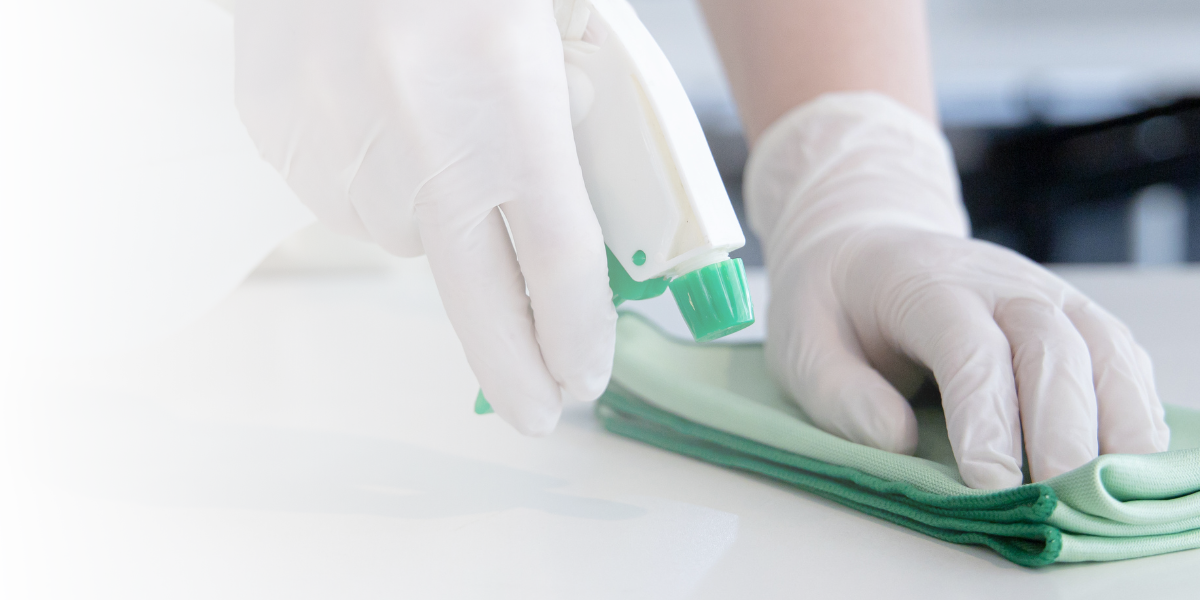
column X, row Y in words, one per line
column 662, row 206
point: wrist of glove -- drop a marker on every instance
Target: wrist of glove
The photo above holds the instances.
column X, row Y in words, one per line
column 875, row 284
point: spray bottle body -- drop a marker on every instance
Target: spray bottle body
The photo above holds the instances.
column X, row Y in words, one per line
column 656, row 191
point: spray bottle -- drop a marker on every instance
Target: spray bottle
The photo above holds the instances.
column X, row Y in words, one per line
column 662, row 207
column 651, row 178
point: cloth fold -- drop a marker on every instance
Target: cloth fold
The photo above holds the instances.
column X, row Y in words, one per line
column 719, row 404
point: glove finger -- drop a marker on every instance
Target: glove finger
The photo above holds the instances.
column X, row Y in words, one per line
column 480, row 283
column 529, row 169
column 561, row 252
column 1054, row 386
column 557, row 237
column 562, row 257
column 1131, row 418
column 828, row 374
column 953, row 333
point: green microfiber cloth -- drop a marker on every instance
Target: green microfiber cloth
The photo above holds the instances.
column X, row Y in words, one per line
column 718, row 403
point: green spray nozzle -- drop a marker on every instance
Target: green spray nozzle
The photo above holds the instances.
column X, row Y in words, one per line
column 714, row 299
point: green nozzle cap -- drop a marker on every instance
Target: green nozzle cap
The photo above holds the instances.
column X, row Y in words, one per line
column 714, row 300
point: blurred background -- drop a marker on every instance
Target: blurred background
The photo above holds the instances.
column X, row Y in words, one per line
column 1075, row 123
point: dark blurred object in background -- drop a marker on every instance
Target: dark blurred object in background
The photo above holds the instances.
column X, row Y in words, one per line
column 1075, row 123
column 1122, row 189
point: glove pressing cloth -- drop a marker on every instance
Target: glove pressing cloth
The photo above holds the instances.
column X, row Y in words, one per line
column 718, row 403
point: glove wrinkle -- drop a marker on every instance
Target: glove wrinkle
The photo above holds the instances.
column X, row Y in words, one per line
column 1130, row 419
column 1055, row 386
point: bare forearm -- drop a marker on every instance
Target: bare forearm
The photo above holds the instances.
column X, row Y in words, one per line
column 781, row 53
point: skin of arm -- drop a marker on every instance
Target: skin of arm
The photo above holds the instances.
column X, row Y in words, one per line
column 779, row 54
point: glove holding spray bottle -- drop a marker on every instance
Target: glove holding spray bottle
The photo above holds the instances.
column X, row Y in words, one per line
column 662, row 206
column 446, row 128
column 651, row 178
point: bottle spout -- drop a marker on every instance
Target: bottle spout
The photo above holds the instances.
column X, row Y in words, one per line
column 714, row 299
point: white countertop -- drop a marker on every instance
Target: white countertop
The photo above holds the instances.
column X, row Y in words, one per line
column 312, row 437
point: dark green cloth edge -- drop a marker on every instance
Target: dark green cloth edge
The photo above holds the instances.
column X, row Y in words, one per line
column 1011, row 522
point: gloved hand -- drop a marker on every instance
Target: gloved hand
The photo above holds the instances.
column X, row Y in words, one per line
column 426, row 126
column 874, row 280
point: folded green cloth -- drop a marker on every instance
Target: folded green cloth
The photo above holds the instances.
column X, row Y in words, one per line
column 717, row 402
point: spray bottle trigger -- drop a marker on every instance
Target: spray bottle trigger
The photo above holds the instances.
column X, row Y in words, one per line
column 482, row 406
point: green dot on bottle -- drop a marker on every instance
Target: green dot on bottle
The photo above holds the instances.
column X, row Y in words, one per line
column 639, row 258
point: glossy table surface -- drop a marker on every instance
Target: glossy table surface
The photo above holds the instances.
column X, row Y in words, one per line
column 312, row 437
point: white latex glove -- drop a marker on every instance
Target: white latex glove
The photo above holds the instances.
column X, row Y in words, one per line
column 874, row 280
column 424, row 125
